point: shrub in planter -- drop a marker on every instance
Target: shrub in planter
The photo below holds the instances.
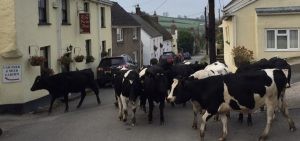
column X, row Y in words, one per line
column 36, row 60
column 79, row 58
column 242, row 56
column 89, row 59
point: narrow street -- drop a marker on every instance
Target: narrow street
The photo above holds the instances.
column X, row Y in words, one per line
column 99, row 122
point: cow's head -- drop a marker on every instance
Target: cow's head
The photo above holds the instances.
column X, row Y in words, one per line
column 38, row 84
column 178, row 93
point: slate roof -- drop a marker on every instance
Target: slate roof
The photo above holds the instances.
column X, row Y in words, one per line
column 146, row 26
column 166, row 34
column 119, row 17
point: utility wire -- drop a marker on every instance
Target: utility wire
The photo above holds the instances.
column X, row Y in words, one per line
column 161, row 5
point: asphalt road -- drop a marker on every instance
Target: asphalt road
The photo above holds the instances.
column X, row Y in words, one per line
column 295, row 73
column 99, row 122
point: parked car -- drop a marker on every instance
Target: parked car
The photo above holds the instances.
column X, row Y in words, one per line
column 110, row 65
column 169, row 57
column 187, row 56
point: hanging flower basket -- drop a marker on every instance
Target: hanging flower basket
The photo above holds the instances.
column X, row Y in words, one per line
column 36, row 60
column 65, row 59
column 79, row 58
column 89, row 59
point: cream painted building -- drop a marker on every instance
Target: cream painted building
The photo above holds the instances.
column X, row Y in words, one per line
column 46, row 28
column 267, row 27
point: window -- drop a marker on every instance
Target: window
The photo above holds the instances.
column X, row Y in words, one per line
column 64, row 11
column 86, row 7
column 42, row 11
column 134, row 30
column 103, row 52
column 88, row 47
column 102, row 17
column 282, row 39
column 119, row 34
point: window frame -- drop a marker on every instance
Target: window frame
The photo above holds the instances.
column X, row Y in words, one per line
column 103, row 25
column 65, row 12
column 276, row 34
column 120, row 32
column 45, row 19
column 134, row 33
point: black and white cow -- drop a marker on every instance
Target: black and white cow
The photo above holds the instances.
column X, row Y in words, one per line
column 127, row 88
column 241, row 92
column 155, row 89
column 273, row 63
column 213, row 69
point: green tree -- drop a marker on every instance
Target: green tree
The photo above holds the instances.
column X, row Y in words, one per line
column 186, row 41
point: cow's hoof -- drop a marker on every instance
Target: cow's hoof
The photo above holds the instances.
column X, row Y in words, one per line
column 99, row 102
column 124, row 120
column 293, row 128
column 195, row 126
column 262, row 138
column 66, row 111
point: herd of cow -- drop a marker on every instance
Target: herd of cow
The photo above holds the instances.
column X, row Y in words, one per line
column 211, row 89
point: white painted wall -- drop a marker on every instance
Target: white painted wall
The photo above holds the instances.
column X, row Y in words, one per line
column 29, row 33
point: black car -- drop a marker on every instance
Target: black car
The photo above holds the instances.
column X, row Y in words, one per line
column 110, row 65
column 168, row 57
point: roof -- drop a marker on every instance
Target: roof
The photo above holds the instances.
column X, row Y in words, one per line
column 146, row 26
column 119, row 17
column 166, row 34
column 235, row 5
column 278, row 10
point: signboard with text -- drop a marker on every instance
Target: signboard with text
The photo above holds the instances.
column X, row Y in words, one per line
column 11, row 73
column 84, row 22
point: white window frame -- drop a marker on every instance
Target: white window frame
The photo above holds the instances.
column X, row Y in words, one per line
column 119, row 34
column 134, row 32
column 288, row 41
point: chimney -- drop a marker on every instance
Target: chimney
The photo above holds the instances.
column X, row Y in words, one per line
column 155, row 17
column 173, row 27
column 138, row 10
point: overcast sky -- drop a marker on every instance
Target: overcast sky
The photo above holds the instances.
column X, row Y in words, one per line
column 189, row 8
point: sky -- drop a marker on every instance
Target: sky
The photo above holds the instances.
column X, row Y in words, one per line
column 174, row 8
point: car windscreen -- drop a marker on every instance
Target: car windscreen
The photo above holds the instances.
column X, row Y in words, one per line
column 108, row 62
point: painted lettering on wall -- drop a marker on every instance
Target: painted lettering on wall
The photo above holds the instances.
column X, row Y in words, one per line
column 11, row 73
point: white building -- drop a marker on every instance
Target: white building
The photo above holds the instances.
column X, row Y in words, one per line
column 46, row 28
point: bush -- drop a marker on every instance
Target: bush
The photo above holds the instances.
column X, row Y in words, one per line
column 242, row 56
column 36, row 60
column 89, row 59
column 79, row 58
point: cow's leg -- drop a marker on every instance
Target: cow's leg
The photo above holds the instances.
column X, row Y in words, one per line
column 161, row 110
column 224, row 123
column 285, row 113
column 249, row 119
column 120, row 108
column 241, row 117
column 151, row 105
column 143, row 100
column 124, row 109
column 97, row 96
column 196, row 109
column 270, row 112
column 66, row 98
column 51, row 104
column 133, row 119
column 204, row 119
column 83, row 94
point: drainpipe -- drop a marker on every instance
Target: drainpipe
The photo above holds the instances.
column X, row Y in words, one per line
column 58, row 30
column 98, row 27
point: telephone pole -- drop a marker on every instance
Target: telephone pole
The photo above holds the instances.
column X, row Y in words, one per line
column 206, row 34
column 212, row 31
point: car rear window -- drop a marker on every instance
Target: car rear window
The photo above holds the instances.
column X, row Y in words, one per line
column 107, row 62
